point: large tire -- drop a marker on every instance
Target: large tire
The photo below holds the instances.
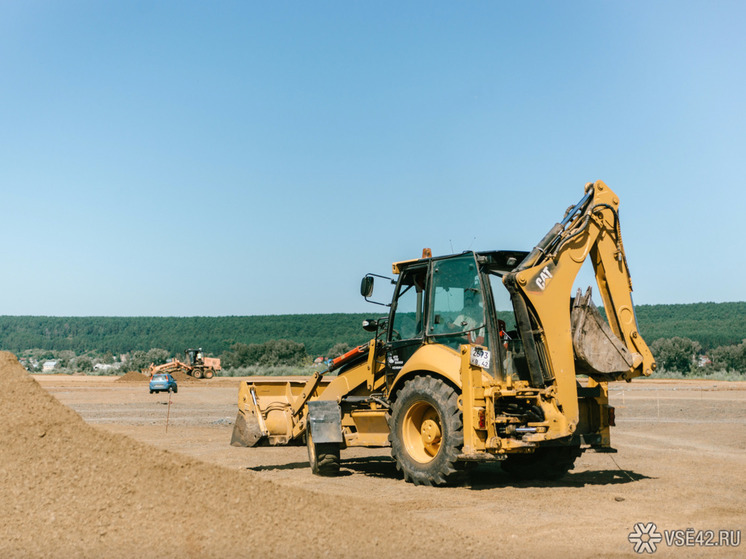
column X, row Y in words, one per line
column 209, row 373
column 323, row 457
column 197, row 373
column 426, row 431
column 546, row 463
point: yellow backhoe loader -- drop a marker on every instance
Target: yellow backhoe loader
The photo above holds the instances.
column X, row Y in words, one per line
column 449, row 379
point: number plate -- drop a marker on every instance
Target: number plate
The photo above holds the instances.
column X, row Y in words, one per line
column 480, row 357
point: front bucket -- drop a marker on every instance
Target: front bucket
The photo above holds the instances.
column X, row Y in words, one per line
column 598, row 352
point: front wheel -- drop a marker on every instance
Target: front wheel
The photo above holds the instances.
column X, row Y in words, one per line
column 197, row 373
column 426, row 431
column 323, row 457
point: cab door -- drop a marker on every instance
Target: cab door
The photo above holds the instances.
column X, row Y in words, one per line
column 406, row 325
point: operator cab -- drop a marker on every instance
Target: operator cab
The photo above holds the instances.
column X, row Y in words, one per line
column 451, row 300
column 194, row 356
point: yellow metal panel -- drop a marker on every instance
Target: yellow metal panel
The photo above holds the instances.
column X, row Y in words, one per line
column 436, row 358
column 396, row 266
column 372, row 428
column 548, row 286
column 472, row 400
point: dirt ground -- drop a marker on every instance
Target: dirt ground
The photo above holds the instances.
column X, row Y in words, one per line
column 681, row 464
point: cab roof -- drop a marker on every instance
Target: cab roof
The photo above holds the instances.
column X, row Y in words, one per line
column 496, row 261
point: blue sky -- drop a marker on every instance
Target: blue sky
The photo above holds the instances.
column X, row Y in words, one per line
column 237, row 158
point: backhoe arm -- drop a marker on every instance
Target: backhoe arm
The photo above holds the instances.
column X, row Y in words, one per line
column 561, row 341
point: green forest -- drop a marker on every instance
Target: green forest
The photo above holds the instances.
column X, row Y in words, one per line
column 700, row 329
column 709, row 324
column 318, row 332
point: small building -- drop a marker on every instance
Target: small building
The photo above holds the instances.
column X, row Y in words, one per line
column 48, row 366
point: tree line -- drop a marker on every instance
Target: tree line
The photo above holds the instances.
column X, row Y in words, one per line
column 216, row 335
column 683, row 355
column 682, row 337
column 709, row 324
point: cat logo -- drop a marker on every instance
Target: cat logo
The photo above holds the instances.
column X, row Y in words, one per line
column 543, row 278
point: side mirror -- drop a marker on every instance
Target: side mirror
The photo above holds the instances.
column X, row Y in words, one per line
column 366, row 286
column 370, row 324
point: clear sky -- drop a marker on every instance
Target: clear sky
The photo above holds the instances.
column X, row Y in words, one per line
column 237, row 158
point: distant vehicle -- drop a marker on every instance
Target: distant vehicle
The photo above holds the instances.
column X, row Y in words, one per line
column 163, row 383
column 197, row 365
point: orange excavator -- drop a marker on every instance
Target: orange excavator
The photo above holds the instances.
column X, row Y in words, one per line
column 195, row 365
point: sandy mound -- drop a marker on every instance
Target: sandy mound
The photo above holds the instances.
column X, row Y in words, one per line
column 70, row 490
column 134, row 376
column 181, row 378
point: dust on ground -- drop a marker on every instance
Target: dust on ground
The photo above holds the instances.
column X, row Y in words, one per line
column 680, row 464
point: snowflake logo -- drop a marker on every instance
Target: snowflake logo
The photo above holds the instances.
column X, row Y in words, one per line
column 645, row 537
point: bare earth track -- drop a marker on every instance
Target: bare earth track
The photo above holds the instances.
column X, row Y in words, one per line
column 118, row 484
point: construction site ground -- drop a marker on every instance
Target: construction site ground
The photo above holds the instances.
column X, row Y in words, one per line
column 681, row 464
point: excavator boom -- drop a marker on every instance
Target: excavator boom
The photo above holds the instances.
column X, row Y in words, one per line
column 544, row 281
column 563, row 340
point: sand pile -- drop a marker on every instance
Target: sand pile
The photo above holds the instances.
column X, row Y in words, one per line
column 70, row 490
column 181, row 378
column 133, row 376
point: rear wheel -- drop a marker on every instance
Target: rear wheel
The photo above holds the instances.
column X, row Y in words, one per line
column 426, row 431
column 209, row 373
column 323, row 457
column 548, row 463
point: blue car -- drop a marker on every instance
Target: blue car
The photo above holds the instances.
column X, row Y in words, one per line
column 163, row 383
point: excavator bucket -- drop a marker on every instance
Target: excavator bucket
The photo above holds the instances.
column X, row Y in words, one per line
column 599, row 352
column 246, row 429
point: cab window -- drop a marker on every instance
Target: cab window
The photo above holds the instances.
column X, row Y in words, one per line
column 457, row 304
column 409, row 305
